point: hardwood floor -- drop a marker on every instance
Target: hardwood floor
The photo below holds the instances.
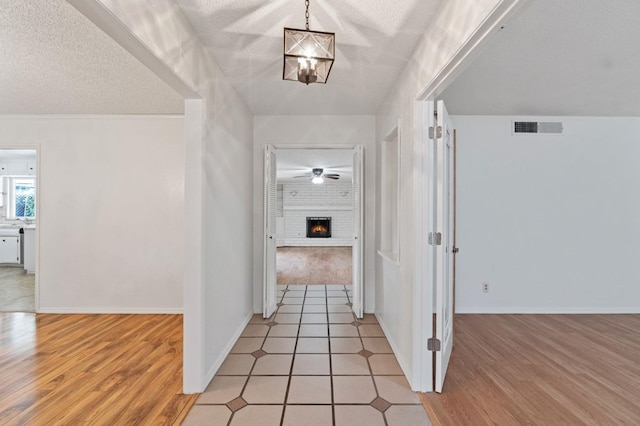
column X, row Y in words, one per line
column 314, row 265
column 542, row 370
column 91, row 369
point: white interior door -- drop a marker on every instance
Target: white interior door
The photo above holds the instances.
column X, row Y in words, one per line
column 357, row 299
column 269, row 258
column 444, row 252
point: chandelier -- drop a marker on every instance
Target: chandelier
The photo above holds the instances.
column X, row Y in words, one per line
column 308, row 55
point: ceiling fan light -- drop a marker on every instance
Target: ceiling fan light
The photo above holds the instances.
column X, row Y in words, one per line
column 317, row 179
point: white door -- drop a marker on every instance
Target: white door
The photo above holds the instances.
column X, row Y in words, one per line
column 269, row 256
column 444, row 249
column 357, row 299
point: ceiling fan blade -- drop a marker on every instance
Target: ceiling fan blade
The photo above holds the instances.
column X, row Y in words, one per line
column 305, row 176
column 331, row 175
column 336, row 177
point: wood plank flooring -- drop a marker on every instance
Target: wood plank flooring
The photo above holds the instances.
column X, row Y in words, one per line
column 91, row 369
column 541, row 370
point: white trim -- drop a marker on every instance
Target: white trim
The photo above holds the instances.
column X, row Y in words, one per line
column 389, row 257
column 36, row 147
column 227, row 350
column 316, row 146
column 423, row 293
column 335, row 242
column 423, row 303
column 88, row 116
column 547, row 311
column 471, row 48
column 123, row 311
column 193, row 272
column 317, row 208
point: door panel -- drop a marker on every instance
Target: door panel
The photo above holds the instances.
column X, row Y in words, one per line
column 444, row 252
column 358, row 299
column 270, row 233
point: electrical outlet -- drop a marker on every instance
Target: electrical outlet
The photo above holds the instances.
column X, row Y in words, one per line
column 485, row 287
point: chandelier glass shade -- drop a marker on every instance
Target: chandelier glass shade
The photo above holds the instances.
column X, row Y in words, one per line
column 308, row 55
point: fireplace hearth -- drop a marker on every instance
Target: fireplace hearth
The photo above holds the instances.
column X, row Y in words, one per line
column 318, row 227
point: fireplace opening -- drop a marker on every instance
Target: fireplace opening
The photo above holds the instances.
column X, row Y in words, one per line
column 318, row 227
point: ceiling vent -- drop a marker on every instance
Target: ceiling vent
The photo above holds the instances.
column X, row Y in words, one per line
column 528, row 127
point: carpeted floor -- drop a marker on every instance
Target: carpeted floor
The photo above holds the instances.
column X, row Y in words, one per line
column 314, row 265
column 17, row 290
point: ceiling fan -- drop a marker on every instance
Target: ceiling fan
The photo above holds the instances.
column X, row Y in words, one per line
column 318, row 175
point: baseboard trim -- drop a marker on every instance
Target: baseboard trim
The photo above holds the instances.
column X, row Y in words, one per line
column 227, row 349
column 547, row 311
column 122, row 311
column 403, row 364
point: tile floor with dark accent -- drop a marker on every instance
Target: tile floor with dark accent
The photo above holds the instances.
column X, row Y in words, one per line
column 311, row 364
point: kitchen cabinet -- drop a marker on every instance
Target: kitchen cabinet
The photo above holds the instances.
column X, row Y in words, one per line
column 10, row 249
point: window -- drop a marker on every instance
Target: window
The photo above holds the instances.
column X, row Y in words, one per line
column 21, row 197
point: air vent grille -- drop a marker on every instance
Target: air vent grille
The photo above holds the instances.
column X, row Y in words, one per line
column 528, row 127
column 525, row 127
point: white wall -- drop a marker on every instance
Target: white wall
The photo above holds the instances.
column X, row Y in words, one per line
column 314, row 131
column 218, row 175
column 457, row 28
column 552, row 223
column 307, row 199
column 110, row 210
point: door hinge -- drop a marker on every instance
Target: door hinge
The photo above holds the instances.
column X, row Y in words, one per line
column 435, row 133
column 435, row 239
column 433, row 345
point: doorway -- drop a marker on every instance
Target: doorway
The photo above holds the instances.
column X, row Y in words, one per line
column 18, row 205
column 312, row 220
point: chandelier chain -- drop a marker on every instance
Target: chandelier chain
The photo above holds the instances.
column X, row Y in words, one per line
column 306, row 13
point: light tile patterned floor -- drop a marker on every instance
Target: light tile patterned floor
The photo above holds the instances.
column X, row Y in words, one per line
column 311, row 364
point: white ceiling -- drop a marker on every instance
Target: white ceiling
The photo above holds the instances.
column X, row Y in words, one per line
column 53, row 60
column 299, row 162
column 569, row 57
column 374, row 40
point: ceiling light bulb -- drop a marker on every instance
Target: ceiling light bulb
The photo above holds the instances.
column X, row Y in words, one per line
column 307, row 71
column 317, row 179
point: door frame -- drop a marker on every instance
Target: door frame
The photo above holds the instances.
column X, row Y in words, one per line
column 36, row 148
column 423, row 302
column 345, row 147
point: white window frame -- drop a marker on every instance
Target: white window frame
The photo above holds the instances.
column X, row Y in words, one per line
column 10, row 183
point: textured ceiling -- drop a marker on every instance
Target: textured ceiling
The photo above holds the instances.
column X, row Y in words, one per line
column 298, row 162
column 374, row 40
column 53, row 60
column 569, row 57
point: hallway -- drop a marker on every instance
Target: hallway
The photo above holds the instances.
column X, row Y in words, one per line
column 310, row 364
